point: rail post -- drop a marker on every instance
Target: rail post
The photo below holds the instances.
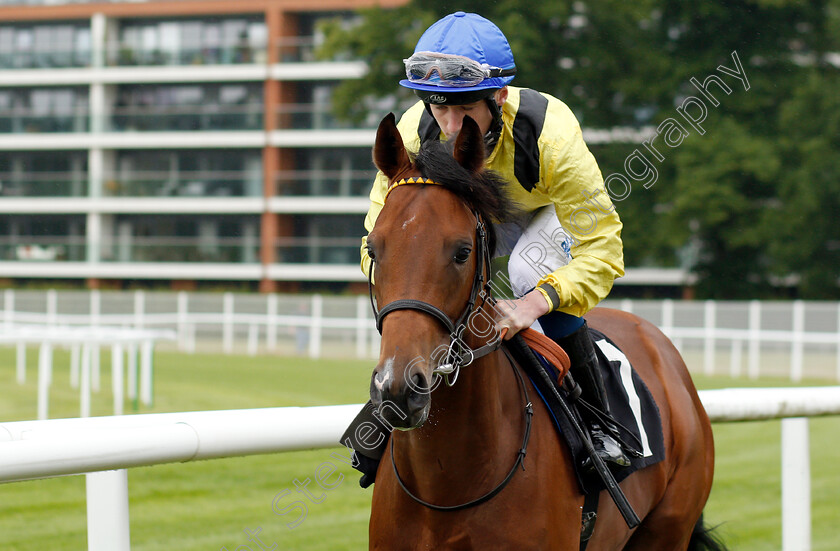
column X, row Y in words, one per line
column 796, row 485
column 107, row 511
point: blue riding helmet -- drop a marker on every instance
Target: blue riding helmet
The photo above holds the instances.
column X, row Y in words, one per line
column 471, row 36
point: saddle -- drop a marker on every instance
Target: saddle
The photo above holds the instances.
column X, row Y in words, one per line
column 631, row 403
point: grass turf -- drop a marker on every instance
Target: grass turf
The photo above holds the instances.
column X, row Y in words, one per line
column 238, row 504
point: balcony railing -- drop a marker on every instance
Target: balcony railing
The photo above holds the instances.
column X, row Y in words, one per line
column 121, row 54
column 206, row 183
column 27, row 121
column 45, row 59
column 135, row 249
column 44, row 184
column 154, row 119
column 184, row 184
column 187, row 118
column 28, row 248
column 340, row 183
column 318, row 250
column 343, row 250
column 180, row 249
column 317, row 116
column 297, row 49
column 60, row 2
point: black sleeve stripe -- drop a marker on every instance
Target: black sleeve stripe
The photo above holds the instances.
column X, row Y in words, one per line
column 527, row 127
column 552, row 294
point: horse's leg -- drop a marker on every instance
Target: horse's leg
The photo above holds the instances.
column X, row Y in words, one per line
column 669, row 524
column 670, row 495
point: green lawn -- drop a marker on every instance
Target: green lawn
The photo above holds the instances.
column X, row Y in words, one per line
column 209, row 505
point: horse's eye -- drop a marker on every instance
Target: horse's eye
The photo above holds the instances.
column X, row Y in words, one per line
column 462, row 255
column 370, row 252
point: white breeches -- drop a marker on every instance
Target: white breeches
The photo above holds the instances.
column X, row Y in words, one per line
column 542, row 247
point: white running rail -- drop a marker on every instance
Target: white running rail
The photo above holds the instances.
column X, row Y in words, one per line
column 317, row 325
column 106, row 446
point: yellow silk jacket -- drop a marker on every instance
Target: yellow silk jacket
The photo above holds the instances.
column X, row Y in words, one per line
column 542, row 155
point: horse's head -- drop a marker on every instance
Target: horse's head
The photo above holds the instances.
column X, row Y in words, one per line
column 430, row 256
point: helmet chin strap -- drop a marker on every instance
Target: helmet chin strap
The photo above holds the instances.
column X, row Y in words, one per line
column 492, row 135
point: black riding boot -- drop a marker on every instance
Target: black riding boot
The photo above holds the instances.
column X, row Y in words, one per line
column 367, row 436
column 587, row 374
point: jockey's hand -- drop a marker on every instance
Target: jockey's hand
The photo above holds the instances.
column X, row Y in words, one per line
column 512, row 316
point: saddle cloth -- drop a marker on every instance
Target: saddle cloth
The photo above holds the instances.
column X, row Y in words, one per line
column 631, row 405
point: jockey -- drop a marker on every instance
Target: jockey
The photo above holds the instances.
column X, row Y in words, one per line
column 462, row 66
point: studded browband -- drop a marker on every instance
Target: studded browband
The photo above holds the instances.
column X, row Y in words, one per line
column 417, row 180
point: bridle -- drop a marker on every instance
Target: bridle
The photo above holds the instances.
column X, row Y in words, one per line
column 458, row 354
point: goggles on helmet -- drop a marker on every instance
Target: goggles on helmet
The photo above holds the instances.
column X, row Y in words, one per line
column 450, row 70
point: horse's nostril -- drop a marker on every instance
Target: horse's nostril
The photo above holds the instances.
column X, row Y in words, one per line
column 376, row 387
column 420, row 384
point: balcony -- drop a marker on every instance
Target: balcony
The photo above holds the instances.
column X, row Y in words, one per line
column 125, row 55
column 186, row 118
column 336, row 183
column 27, row 121
column 184, row 184
column 57, row 2
column 298, row 49
column 44, row 184
column 28, row 248
column 180, row 249
column 44, row 59
column 318, row 250
column 319, row 116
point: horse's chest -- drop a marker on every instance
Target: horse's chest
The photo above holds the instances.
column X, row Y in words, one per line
column 452, row 535
column 512, row 527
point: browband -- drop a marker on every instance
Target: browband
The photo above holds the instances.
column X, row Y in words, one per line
column 417, row 180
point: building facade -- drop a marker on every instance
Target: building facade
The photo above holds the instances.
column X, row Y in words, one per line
column 187, row 143
column 183, row 142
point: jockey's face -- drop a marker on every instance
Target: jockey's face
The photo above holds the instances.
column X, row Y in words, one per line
column 450, row 117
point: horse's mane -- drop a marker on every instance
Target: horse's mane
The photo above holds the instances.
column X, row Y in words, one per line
column 484, row 192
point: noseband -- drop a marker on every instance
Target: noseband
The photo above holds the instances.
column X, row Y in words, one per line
column 459, row 354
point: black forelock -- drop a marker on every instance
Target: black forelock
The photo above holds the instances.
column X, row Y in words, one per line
column 484, row 192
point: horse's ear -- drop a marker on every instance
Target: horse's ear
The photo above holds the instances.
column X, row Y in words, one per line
column 469, row 146
column 389, row 154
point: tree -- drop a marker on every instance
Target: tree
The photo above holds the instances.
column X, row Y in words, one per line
column 754, row 197
column 807, row 232
column 724, row 189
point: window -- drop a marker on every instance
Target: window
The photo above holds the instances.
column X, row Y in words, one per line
column 43, row 238
column 189, row 107
column 43, row 174
column 328, row 239
column 44, row 110
column 190, row 173
column 184, row 238
column 190, row 42
column 329, row 172
column 47, row 45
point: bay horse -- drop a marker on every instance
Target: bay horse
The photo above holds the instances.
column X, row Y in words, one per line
column 429, row 250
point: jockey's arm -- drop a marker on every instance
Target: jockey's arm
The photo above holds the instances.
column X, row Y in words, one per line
column 574, row 184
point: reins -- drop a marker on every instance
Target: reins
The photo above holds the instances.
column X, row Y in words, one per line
column 520, row 456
